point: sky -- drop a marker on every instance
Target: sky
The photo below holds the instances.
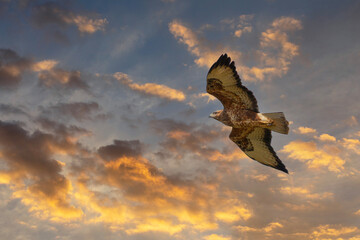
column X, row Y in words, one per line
column 104, row 127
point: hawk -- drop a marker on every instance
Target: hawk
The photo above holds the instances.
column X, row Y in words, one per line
column 251, row 130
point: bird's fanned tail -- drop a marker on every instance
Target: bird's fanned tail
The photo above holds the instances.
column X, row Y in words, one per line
column 281, row 125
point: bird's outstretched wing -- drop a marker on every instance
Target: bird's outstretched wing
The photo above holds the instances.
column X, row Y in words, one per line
column 223, row 82
column 255, row 142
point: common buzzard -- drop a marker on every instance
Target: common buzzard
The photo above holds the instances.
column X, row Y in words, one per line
column 251, row 130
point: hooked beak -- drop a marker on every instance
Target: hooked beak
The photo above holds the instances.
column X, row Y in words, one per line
column 212, row 115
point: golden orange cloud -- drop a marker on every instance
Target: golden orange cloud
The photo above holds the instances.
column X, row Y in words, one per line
column 304, row 130
column 233, row 155
column 232, row 210
column 34, row 176
column 121, row 188
column 357, row 212
column 206, row 56
column 47, row 73
column 14, row 71
column 56, row 208
column 154, row 89
column 270, row 227
column 12, row 67
column 149, row 200
column 207, row 96
column 304, row 192
column 323, row 232
column 12, row 177
column 216, row 237
column 259, row 177
column 313, row 156
column 178, row 134
column 157, row 225
column 238, row 33
column 275, row 39
column 63, row 16
column 326, row 138
column 44, row 65
column 352, row 144
column 87, row 25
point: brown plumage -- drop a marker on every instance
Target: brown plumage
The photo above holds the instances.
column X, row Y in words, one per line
column 251, row 129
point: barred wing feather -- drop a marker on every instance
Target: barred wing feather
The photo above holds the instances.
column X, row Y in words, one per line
column 257, row 146
column 223, row 82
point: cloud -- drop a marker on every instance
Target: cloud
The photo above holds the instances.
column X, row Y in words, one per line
column 231, row 211
column 145, row 199
column 78, row 110
column 153, row 89
column 148, row 198
column 87, row 25
column 158, row 226
column 69, row 133
column 199, row 96
column 116, row 185
column 351, row 144
column 269, row 228
column 12, row 67
column 286, row 24
column 304, row 192
column 53, row 13
column 326, row 231
column 239, row 32
column 326, row 138
column 304, row 130
column 45, row 65
column 193, row 139
column 352, row 121
column 216, row 237
column 274, row 55
column 315, row 157
column 239, row 25
column 10, row 109
column 35, row 176
column 56, row 77
column 12, row 135
column 121, row 149
column 206, row 55
column 311, row 131
column 259, row 177
column 276, row 51
column 56, row 207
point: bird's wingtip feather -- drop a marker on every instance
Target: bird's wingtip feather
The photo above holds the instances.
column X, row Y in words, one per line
column 282, row 167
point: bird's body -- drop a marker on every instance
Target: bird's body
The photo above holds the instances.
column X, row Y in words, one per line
column 251, row 129
column 239, row 118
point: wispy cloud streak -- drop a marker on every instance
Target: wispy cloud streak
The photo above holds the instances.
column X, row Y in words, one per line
column 153, row 89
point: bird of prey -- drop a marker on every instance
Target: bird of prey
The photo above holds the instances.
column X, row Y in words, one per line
column 251, row 130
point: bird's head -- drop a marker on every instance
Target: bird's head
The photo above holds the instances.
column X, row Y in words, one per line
column 216, row 114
